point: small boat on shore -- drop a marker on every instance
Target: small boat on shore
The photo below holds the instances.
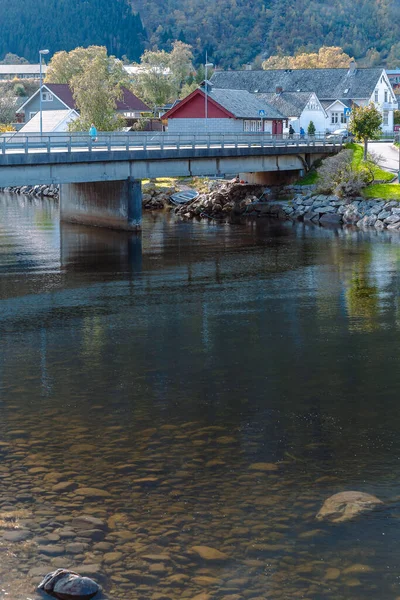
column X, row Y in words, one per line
column 184, row 196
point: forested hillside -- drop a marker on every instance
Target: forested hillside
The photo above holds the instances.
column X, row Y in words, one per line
column 30, row 25
column 234, row 32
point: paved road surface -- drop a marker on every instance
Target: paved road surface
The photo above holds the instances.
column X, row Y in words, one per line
column 389, row 155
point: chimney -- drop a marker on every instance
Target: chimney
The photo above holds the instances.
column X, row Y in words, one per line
column 352, row 67
column 278, row 90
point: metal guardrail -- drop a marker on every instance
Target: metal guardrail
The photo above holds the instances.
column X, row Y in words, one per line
column 11, row 143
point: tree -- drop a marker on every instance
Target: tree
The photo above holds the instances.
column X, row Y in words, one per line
column 8, row 106
column 64, row 66
column 153, row 81
column 327, row 57
column 162, row 74
column 13, row 59
column 311, row 129
column 96, row 87
column 365, row 124
column 372, row 58
column 181, row 64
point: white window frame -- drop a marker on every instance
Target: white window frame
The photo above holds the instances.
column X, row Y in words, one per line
column 376, row 96
column 47, row 97
column 343, row 119
column 252, row 126
column 335, row 118
column 386, row 95
column 385, row 117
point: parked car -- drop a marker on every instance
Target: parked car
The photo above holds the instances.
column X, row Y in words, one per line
column 345, row 134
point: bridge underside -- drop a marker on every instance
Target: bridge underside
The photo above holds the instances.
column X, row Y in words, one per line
column 106, row 191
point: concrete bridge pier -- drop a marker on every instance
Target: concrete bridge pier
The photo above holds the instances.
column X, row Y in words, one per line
column 110, row 204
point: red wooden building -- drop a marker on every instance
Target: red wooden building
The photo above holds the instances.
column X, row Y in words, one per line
column 228, row 111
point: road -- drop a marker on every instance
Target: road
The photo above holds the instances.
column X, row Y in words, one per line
column 389, row 155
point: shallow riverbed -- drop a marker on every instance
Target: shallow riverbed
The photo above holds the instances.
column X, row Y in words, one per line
column 208, row 385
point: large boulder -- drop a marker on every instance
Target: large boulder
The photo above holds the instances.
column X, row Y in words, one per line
column 68, row 585
column 347, row 505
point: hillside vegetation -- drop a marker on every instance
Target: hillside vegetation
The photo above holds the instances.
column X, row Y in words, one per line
column 30, row 25
column 234, row 32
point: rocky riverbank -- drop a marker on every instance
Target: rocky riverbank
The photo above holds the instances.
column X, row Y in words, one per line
column 51, row 191
column 298, row 203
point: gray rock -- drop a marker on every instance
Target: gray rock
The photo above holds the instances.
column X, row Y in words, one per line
column 331, row 219
column 347, row 505
column 68, row 585
column 394, row 225
column 352, row 216
column 16, row 535
column 379, row 224
column 391, row 204
column 392, row 219
column 367, row 221
column 324, row 209
column 384, row 214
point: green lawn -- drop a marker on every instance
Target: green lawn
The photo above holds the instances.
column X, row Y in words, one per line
column 358, row 151
column 309, row 179
column 387, row 191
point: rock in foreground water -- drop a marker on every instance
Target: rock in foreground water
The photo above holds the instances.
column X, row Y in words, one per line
column 68, row 585
column 347, row 505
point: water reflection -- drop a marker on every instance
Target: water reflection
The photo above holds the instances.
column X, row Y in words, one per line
column 144, row 379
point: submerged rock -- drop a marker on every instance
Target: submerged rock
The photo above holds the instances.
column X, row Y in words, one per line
column 68, row 585
column 347, row 505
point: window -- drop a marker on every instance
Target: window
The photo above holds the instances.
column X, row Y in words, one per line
column 47, row 97
column 334, row 118
column 376, row 96
column 252, row 126
column 386, row 95
column 385, row 117
column 342, row 117
column 32, row 114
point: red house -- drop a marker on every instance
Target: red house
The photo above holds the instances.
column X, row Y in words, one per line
column 228, row 111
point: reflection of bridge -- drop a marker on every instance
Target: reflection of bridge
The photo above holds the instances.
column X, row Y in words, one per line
column 100, row 179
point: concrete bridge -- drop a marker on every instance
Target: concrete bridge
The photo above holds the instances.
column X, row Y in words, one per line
column 100, row 180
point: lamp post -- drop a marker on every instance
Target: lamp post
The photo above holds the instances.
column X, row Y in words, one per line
column 41, row 53
column 205, row 89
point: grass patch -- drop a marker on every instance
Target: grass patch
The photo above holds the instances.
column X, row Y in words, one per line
column 163, row 181
column 309, row 179
column 387, row 191
column 358, row 152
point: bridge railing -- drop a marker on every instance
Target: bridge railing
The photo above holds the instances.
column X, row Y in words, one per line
column 106, row 141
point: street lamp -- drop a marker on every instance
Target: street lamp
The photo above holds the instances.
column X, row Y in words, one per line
column 205, row 88
column 41, row 53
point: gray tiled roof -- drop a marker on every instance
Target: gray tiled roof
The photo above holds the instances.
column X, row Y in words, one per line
column 290, row 104
column 243, row 105
column 326, row 83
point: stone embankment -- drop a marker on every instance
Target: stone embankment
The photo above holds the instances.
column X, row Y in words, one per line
column 222, row 201
column 52, row 191
column 304, row 205
column 331, row 210
column 156, row 197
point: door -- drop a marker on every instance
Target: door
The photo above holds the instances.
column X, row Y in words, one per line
column 277, row 127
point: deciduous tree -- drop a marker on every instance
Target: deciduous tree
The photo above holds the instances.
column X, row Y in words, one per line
column 327, row 57
column 96, row 89
column 365, row 124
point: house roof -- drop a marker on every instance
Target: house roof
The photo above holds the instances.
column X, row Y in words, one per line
column 236, row 103
column 128, row 101
column 326, row 83
column 51, row 120
column 244, row 105
column 289, row 104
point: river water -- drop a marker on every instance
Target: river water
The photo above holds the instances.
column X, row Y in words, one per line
column 206, row 385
